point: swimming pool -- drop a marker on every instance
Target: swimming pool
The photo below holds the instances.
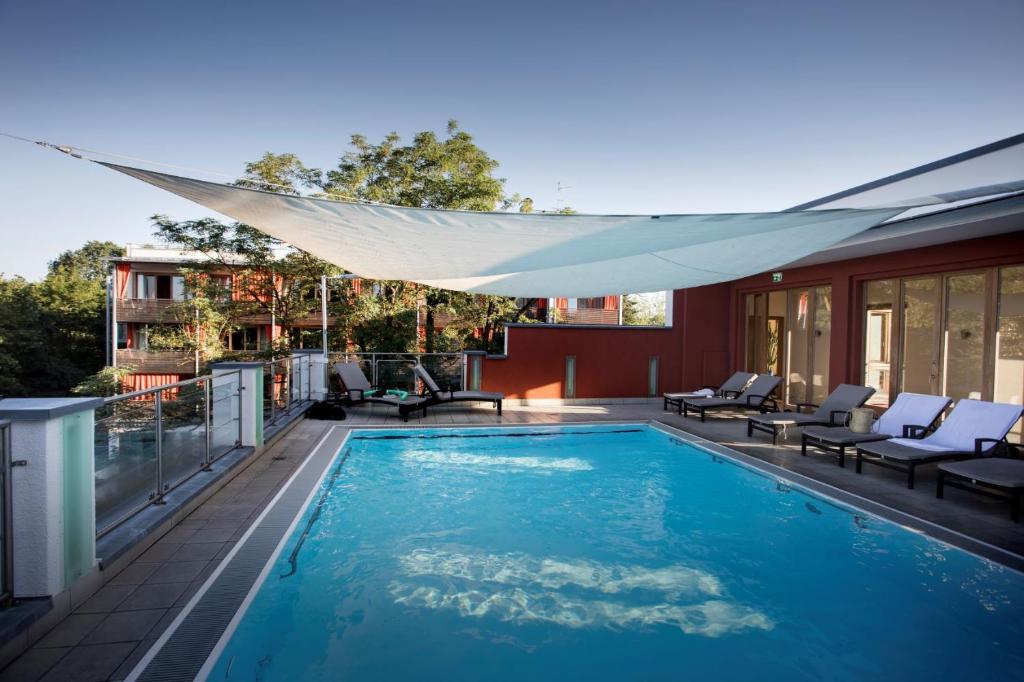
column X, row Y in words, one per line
column 606, row 552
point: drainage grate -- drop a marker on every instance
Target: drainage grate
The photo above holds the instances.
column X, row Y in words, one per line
column 185, row 651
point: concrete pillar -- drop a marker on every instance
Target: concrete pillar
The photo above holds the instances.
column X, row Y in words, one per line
column 251, row 404
column 314, row 372
column 473, row 369
column 53, row 490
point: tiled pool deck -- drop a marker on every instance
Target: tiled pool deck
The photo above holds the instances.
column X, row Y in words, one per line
column 107, row 635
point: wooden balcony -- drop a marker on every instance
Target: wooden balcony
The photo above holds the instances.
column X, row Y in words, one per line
column 157, row 361
column 144, row 309
column 587, row 316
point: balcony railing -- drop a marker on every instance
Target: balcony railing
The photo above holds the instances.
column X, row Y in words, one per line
column 157, row 361
column 151, row 441
column 394, row 370
column 286, row 385
column 144, row 309
column 6, row 516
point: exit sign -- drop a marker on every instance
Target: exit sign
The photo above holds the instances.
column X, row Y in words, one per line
column 776, row 277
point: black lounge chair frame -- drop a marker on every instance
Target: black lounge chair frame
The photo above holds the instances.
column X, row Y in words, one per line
column 910, row 466
column 746, row 404
column 1013, row 495
column 839, row 449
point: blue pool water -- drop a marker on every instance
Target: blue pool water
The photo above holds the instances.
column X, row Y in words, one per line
column 607, row 553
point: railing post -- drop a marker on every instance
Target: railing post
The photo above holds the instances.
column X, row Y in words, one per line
column 241, row 403
column 207, row 409
column 159, row 406
column 373, row 364
column 273, row 390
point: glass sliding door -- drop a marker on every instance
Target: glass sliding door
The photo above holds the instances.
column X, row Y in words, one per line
column 756, row 338
column 798, row 369
column 879, row 335
column 963, row 362
column 920, row 348
column 1009, row 341
column 788, row 335
column 821, row 340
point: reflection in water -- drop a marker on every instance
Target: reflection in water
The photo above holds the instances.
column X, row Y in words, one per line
column 521, row 588
column 495, row 463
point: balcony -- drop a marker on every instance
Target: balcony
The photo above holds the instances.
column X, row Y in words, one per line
column 158, row 362
column 586, row 316
column 144, row 309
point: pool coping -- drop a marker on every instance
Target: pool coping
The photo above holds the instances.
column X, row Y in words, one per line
column 175, row 655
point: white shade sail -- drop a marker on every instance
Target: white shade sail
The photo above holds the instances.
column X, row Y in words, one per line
column 531, row 255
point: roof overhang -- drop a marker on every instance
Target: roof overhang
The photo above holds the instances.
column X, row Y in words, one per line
column 986, row 219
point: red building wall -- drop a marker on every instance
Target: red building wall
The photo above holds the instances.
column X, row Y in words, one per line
column 705, row 343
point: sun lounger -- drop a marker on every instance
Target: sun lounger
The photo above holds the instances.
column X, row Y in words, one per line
column 972, row 429
column 357, row 390
column 998, row 477
column 834, row 411
column 757, row 396
column 438, row 396
column 911, row 416
column 732, row 387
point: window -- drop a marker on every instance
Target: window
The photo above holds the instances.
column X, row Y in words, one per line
column 162, row 287
column 245, row 338
column 959, row 334
column 122, row 335
column 1009, row 341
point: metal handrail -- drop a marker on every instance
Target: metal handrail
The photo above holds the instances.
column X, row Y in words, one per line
column 206, row 400
column 295, row 389
column 6, row 510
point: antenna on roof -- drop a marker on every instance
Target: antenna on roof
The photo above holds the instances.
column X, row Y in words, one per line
column 559, row 205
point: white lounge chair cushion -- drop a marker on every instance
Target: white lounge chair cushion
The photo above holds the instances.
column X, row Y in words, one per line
column 969, row 420
column 909, row 408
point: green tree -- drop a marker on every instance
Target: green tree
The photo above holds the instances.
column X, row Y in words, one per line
column 52, row 332
column 270, row 278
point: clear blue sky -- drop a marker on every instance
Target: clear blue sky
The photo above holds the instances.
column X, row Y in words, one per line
column 639, row 106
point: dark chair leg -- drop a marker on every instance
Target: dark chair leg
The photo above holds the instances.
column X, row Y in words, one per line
column 685, row 409
column 860, row 459
column 842, row 456
column 750, row 428
column 803, row 445
column 910, row 477
column 680, row 409
column 702, row 414
column 775, row 434
column 499, row 408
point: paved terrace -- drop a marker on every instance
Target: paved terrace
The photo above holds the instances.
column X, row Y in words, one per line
column 107, row 635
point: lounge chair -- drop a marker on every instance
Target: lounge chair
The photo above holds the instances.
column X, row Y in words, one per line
column 756, row 396
column 972, row 429
column 835, row 407
column 357, row 390
column 732, row 387
column 912, row 416
column 998, row 477
column 438, row 396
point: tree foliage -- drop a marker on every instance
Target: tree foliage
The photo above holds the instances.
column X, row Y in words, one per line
column 52, row 332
